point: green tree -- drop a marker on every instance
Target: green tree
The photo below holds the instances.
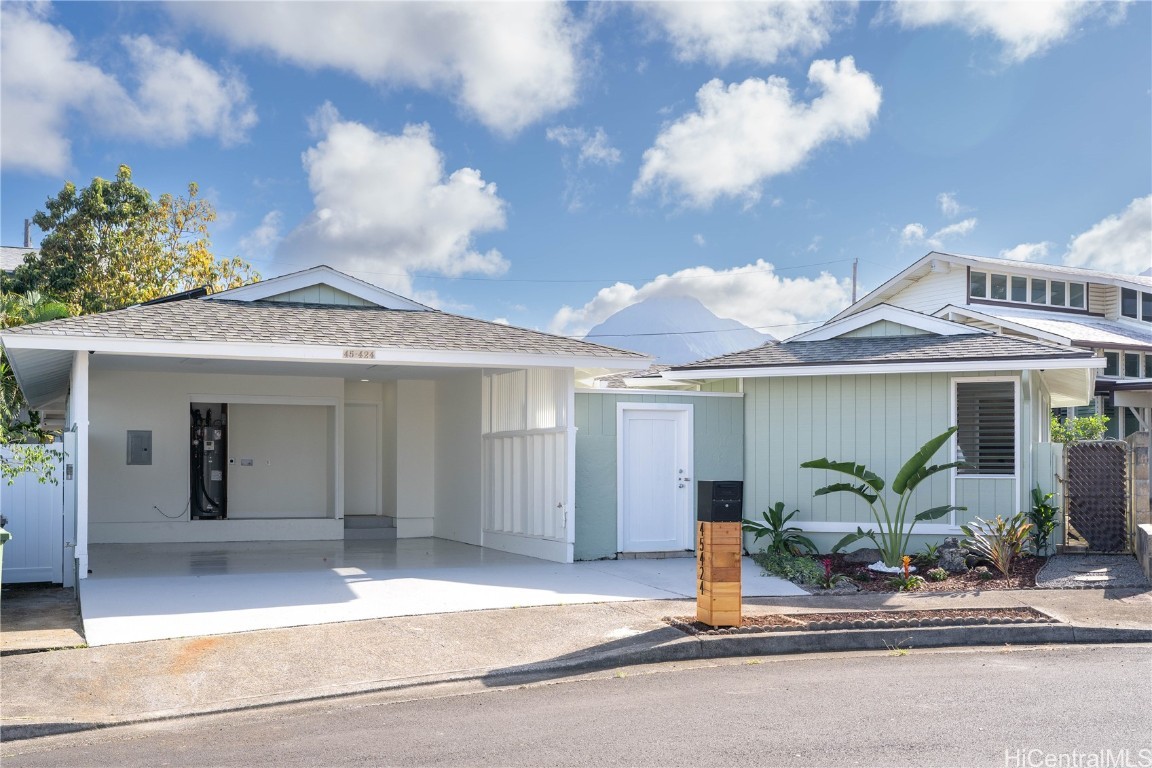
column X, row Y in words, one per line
column 1075, row 429
column 110, row 245
column 18, row 425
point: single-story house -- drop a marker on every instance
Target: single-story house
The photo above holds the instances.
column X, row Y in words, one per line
column 872, row 387
column 286, row 409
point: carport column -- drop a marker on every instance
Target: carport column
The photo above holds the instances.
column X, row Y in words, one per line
column 415, row 458
column 78, row 415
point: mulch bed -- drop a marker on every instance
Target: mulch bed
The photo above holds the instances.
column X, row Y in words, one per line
column 894, row 619
column 1023, row 576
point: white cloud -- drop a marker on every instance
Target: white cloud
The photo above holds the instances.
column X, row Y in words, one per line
column 1119, row 243
column 1025, row 29
column 45, row 87
column 501, row 321
column 699, row 240
column 592, row 146
column 917, row 234
column 949, row 205
column 758, row 32
column 507, row 64
column 385, row 206
column 262, row 240
column 1027, row 252
column 745, row 133
column 753, row 294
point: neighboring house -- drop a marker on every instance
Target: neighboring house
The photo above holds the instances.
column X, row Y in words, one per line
column 871, row 387
column 283, row 409
column 12, row 257
column 1108, row 313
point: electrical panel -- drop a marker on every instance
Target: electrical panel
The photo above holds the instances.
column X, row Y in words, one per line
column 139, row 446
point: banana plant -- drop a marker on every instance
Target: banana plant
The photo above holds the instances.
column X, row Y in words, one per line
column 890, row 536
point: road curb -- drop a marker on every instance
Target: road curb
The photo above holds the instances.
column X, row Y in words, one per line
column 687, row 648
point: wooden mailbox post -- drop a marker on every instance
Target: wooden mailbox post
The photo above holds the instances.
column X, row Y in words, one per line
column 719, row 546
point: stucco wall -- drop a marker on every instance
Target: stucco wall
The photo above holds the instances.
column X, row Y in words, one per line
column 458, row 458
column 718, row 441
column 123, row 400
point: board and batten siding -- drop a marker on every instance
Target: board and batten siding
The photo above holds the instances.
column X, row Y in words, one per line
column 876, row 420
column 718, row 442
column 321, row 294
column 885, row 328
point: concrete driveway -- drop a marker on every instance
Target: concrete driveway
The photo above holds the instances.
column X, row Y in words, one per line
column 142, row 592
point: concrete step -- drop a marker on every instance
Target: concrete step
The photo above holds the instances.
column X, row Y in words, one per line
column 369, row 527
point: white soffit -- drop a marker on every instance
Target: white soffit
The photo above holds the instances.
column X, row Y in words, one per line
column 319, row 275
column 867, row 369
column 927, row 323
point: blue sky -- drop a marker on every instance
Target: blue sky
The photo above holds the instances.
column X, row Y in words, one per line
column 549, row 164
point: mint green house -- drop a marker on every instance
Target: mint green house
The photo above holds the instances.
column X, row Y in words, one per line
column 871, row 387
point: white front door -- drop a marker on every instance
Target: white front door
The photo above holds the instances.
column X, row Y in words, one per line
column 655, row 477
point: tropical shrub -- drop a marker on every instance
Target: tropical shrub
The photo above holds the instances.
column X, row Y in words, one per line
column 998, row 541
column 782, row 538
column 1044, row 517
column 1077, row 429
column 797, row 569
column 930, row 556
column 892, row 536
column 937, row 574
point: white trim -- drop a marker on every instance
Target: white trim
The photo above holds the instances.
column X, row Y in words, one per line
column 866, row 369
column 319, row 275
column 1017, row 443
column 893, row 314
column 570, row 469
column 665, row 392
column 296, row 353
column 811, row 526
column 685, row 408
column 78, row 414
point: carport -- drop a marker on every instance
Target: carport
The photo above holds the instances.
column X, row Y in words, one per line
column 140, row 592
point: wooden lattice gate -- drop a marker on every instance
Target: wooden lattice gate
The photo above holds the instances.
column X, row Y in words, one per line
column 1096, row 491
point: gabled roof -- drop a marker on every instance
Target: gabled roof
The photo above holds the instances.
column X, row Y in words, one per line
column 1060, row 327
column 883, row 312
column 921, row 352
column 222, row 324
column 319, row 275
column 935, row 259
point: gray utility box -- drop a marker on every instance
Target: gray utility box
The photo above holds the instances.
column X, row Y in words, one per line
column 720, row 501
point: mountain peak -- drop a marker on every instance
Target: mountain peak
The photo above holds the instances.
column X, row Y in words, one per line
column 675, row 330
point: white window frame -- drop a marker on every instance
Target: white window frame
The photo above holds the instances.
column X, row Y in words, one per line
column 1016, row 402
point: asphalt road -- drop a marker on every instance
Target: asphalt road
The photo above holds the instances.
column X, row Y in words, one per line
column 1063, row 706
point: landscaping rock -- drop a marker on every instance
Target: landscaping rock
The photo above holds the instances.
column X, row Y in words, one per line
column 865, row 556
column 953, row 557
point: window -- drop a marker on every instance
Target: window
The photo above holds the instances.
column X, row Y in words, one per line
column 1146, row 307
column 986, row 417
column 999, row 288
column 1039, row 291
column 1128, row 306
column 1058, row 289
column 1132, row 365
column 1020, row 289
column 1076, row 295
column 1111, row 363
column 978, row 285
column 1148, row 366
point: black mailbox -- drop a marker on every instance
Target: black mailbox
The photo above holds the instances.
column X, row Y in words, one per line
column 720, row 501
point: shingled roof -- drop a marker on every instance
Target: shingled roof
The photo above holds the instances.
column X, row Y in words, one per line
column 925, row 348
column 274, row 322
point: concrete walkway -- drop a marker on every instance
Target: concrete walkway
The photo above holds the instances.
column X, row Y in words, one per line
column 93, row 687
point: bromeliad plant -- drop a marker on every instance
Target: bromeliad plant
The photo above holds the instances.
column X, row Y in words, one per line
column 998, row 541
column 895, row 529
column 829, row 580
column 907, row 581
column 784, row 540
